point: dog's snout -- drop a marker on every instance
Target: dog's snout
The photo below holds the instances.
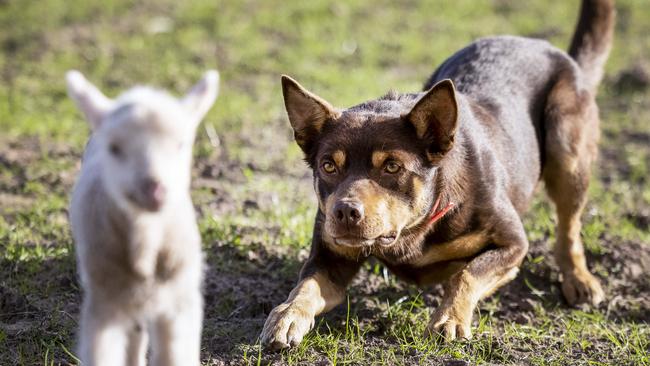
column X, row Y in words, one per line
column 153, row 191
column 349, row 212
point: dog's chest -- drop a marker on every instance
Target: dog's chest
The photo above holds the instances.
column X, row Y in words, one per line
column 461, row 247
column 434, row 262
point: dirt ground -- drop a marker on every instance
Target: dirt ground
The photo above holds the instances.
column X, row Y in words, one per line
column 254, row 193
column 242, row 286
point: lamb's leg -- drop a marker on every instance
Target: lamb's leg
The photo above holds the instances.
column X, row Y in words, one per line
column 176, row 337
column 103, row 337
column 137, row 347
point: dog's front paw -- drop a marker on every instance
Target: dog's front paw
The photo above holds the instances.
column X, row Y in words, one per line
column 286, row 326
column 451, row 321
column 581, row 287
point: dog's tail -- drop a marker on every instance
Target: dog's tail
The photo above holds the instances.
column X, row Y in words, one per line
column 593, row 38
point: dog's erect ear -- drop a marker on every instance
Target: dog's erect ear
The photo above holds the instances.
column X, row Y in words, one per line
column 94, row 105
column 200, row 98
column 307, row 112
column 435, row 117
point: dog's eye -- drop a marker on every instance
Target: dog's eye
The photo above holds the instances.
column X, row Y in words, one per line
column 391, row 167
column 115, row 150
column 329, row 167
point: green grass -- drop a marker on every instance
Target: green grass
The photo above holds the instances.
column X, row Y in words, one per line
column 256, row 216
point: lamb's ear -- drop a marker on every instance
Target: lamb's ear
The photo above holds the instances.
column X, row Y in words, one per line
column 200, row 98
column 435, row 118
column 92, row 102
column 307, row 112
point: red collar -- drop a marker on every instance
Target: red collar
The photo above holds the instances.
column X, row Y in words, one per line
column 437, row 215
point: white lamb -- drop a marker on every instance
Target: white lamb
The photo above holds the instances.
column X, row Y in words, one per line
column 137, row 242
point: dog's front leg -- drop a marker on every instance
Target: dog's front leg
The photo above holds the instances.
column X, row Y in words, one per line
column 321, row 287
column 480, row 278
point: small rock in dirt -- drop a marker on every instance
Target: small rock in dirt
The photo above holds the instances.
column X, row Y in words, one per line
column 252, row 256
column 251, row 205
column 641, row 219
column 210, row 171
column 323, row 363
column 456, row 363
column 634, row 270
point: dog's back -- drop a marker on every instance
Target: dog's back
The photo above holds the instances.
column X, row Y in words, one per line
column 510, row 79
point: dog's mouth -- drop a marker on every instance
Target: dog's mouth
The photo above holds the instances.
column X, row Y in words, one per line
column 356, row 241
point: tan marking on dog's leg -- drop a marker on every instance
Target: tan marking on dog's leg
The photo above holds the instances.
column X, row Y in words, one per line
column 571, row 146
column 453, row 318
column 463, row 247
column 481, row 276
column 290, row 321
column 498, row 281
column 578, row 284
column 317, row 293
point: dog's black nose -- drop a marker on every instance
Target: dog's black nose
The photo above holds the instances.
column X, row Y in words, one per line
column 350, row 212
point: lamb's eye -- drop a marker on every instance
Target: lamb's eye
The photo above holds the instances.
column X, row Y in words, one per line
column 329, row 167
column 115, row 150
column 391, row 167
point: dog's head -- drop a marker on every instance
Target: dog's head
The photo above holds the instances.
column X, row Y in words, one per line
column 374, row 164
column 144, row 138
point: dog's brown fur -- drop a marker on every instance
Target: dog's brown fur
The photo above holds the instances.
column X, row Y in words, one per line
column 518, row 110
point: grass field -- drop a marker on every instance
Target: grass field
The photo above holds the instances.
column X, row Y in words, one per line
column 253, row 191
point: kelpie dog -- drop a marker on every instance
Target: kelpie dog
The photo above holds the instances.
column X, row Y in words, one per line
column 433, row 184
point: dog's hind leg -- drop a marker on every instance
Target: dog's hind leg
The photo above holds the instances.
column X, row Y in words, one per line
column 571, row 125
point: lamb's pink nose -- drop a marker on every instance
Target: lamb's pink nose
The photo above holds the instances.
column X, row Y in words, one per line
column 153, row 192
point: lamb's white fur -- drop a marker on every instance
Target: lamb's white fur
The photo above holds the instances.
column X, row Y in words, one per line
column 141, row 266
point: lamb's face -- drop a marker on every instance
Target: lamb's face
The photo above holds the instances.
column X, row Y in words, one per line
column 146, row 153
column 144, row 139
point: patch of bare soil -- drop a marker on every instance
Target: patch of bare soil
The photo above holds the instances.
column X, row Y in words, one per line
column 23, row 161
column 39, row 303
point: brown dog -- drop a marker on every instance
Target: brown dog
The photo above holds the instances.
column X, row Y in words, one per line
column 433, row 184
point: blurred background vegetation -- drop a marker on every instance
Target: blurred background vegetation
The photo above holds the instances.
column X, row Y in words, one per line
column 253, row 192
